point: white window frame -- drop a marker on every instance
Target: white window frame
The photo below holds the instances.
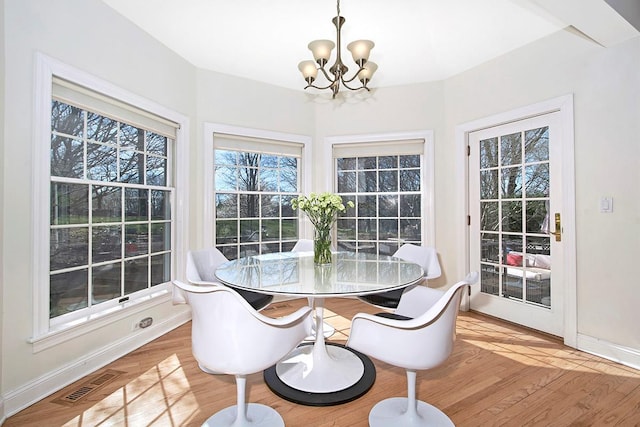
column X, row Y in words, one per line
column 428, row 170
column 208, row 197
column 44, row 336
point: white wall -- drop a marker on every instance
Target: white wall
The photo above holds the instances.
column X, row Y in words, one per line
column 93, row 38
column 606, row 88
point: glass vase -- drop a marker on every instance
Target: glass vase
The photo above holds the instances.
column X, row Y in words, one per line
column 322, row 246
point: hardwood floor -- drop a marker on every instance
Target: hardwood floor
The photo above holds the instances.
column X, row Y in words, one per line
column 498, row 374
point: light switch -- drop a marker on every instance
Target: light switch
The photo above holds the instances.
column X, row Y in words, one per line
column 606, row 204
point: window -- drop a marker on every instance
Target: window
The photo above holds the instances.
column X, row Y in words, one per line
column 385, row 181
column 108, row 178
column 255, row 180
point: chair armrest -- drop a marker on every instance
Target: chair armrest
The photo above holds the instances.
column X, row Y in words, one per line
column 205, row 283
column 384, row 321
column 216, row 287
column 198, row 287
column 284, row 320
column 428, row 316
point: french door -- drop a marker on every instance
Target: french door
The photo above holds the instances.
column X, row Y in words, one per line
column 515, row 207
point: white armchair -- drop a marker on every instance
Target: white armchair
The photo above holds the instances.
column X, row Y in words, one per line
column 230, row 337
column 418, row 335
column 201, row 268
column 425, row 256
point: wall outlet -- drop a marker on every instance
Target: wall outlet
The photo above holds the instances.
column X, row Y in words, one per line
column 144, row 323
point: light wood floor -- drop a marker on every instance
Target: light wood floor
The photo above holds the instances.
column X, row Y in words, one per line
column 498, row 374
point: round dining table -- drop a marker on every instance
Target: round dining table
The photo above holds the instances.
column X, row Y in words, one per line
column 320, row 373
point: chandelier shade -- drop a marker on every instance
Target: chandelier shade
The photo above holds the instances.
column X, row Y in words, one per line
column 308, row 70
column 321, row 50
column 367, row 71
column 335, row 76
column 360, row 50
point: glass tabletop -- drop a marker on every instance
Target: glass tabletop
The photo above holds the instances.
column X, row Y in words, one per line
column 294, row 273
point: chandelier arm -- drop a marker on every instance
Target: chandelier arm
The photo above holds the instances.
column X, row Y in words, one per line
column 352, row 78
column 352, row 88
column 318, row 87
column 344, row 82
column 328, row 77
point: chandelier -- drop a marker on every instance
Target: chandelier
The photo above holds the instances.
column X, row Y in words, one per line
column 321, row 50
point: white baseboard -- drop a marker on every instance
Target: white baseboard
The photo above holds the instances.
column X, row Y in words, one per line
column 33, row 391
column 2, row 415
column 617, row 353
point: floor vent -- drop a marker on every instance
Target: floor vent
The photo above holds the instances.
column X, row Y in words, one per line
column 72, row 397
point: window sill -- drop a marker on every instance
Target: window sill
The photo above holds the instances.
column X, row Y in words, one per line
column 79, row 327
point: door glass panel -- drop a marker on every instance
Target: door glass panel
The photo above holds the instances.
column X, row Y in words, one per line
column 490, row 247
column 489, row 280
column 512, row 285
column 536, row 145
column 511, row 182
column 512, row 245
column 489, row 153
column 537, row 220
column 511, row 216
column 511, row 147
column 489, row 184
column 489, row 216
column 514, row 221
column 537, row 180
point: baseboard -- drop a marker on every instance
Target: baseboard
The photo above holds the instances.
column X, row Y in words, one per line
column 3, row 417
column 617, row 353
column 36, row 390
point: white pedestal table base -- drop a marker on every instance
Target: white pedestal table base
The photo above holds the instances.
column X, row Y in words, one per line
column 321, row 374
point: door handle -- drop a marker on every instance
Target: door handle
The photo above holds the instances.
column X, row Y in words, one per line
column 558, row 231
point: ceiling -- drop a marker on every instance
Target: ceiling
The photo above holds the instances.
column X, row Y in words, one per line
column 416, row 40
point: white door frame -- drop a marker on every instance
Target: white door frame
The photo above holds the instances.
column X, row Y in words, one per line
column 563, row 105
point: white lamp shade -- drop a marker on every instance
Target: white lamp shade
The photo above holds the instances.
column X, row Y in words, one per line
column 321, row 50
column 368, row 71
column 308, row 70
column 360, row 50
